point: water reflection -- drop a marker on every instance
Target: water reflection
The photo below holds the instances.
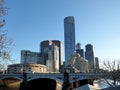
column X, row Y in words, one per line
column 100, row 83
column 12, row 86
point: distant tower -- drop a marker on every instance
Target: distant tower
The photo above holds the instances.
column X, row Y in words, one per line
column 78, row 46
column 89, row 55
column 69, row 37
column 97, row 64
column 79, row 50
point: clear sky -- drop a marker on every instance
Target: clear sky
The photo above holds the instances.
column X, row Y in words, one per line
column 96, row 22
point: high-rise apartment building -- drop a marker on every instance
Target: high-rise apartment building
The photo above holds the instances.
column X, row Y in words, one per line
column 69, row 37
column 89, row 55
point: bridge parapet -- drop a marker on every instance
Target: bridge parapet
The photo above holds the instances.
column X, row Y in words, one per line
column 56, row 76
column 81, row 76
column 17, row 76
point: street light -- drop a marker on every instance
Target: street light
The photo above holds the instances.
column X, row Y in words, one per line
column 66, row 83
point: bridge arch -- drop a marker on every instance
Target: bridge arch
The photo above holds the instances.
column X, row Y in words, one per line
column 44, row 83
column 17, row 78
column 54, row 78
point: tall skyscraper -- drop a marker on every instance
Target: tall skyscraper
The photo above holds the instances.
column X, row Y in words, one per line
column 89, row 55
column 69, row 37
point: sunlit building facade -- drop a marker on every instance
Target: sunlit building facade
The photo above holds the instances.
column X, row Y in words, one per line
column 79, row 63
column 52, row 59
column 28, row 68
column 48, row 43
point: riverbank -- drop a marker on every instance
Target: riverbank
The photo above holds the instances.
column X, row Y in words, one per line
column 91, row 87
column 13, row 86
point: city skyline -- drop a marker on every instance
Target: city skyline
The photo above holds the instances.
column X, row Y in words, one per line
column 96, row 22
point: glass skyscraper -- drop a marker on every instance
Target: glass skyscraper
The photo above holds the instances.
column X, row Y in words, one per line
column 69, row 37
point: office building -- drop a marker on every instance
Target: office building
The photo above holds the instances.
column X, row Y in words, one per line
column 69, row 37
column 89, row 55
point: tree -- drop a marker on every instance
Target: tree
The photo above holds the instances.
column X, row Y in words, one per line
column 113, row 70
column 5, row 41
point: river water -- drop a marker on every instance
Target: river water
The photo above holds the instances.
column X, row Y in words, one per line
column 102, row 83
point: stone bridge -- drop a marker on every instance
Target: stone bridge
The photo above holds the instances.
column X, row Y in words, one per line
column 57, row 79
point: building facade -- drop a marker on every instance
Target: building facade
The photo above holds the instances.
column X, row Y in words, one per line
column 89, row 55
column 28, row 68
column 97, row 64
column 28, row 57
column 79, row 50
column 48, row 43
column 59, row 44
column 69, row 37
column 44, row 44
column 52, row 59
column 79, row 63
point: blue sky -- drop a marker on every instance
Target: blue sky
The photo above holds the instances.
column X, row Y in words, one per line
column 96, row 22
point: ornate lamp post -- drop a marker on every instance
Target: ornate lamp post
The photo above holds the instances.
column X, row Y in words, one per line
column 66, row 83
column 23, row 85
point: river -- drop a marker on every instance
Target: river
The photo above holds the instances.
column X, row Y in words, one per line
column 102, row 83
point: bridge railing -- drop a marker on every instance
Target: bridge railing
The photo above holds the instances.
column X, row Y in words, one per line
column 72, row 76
